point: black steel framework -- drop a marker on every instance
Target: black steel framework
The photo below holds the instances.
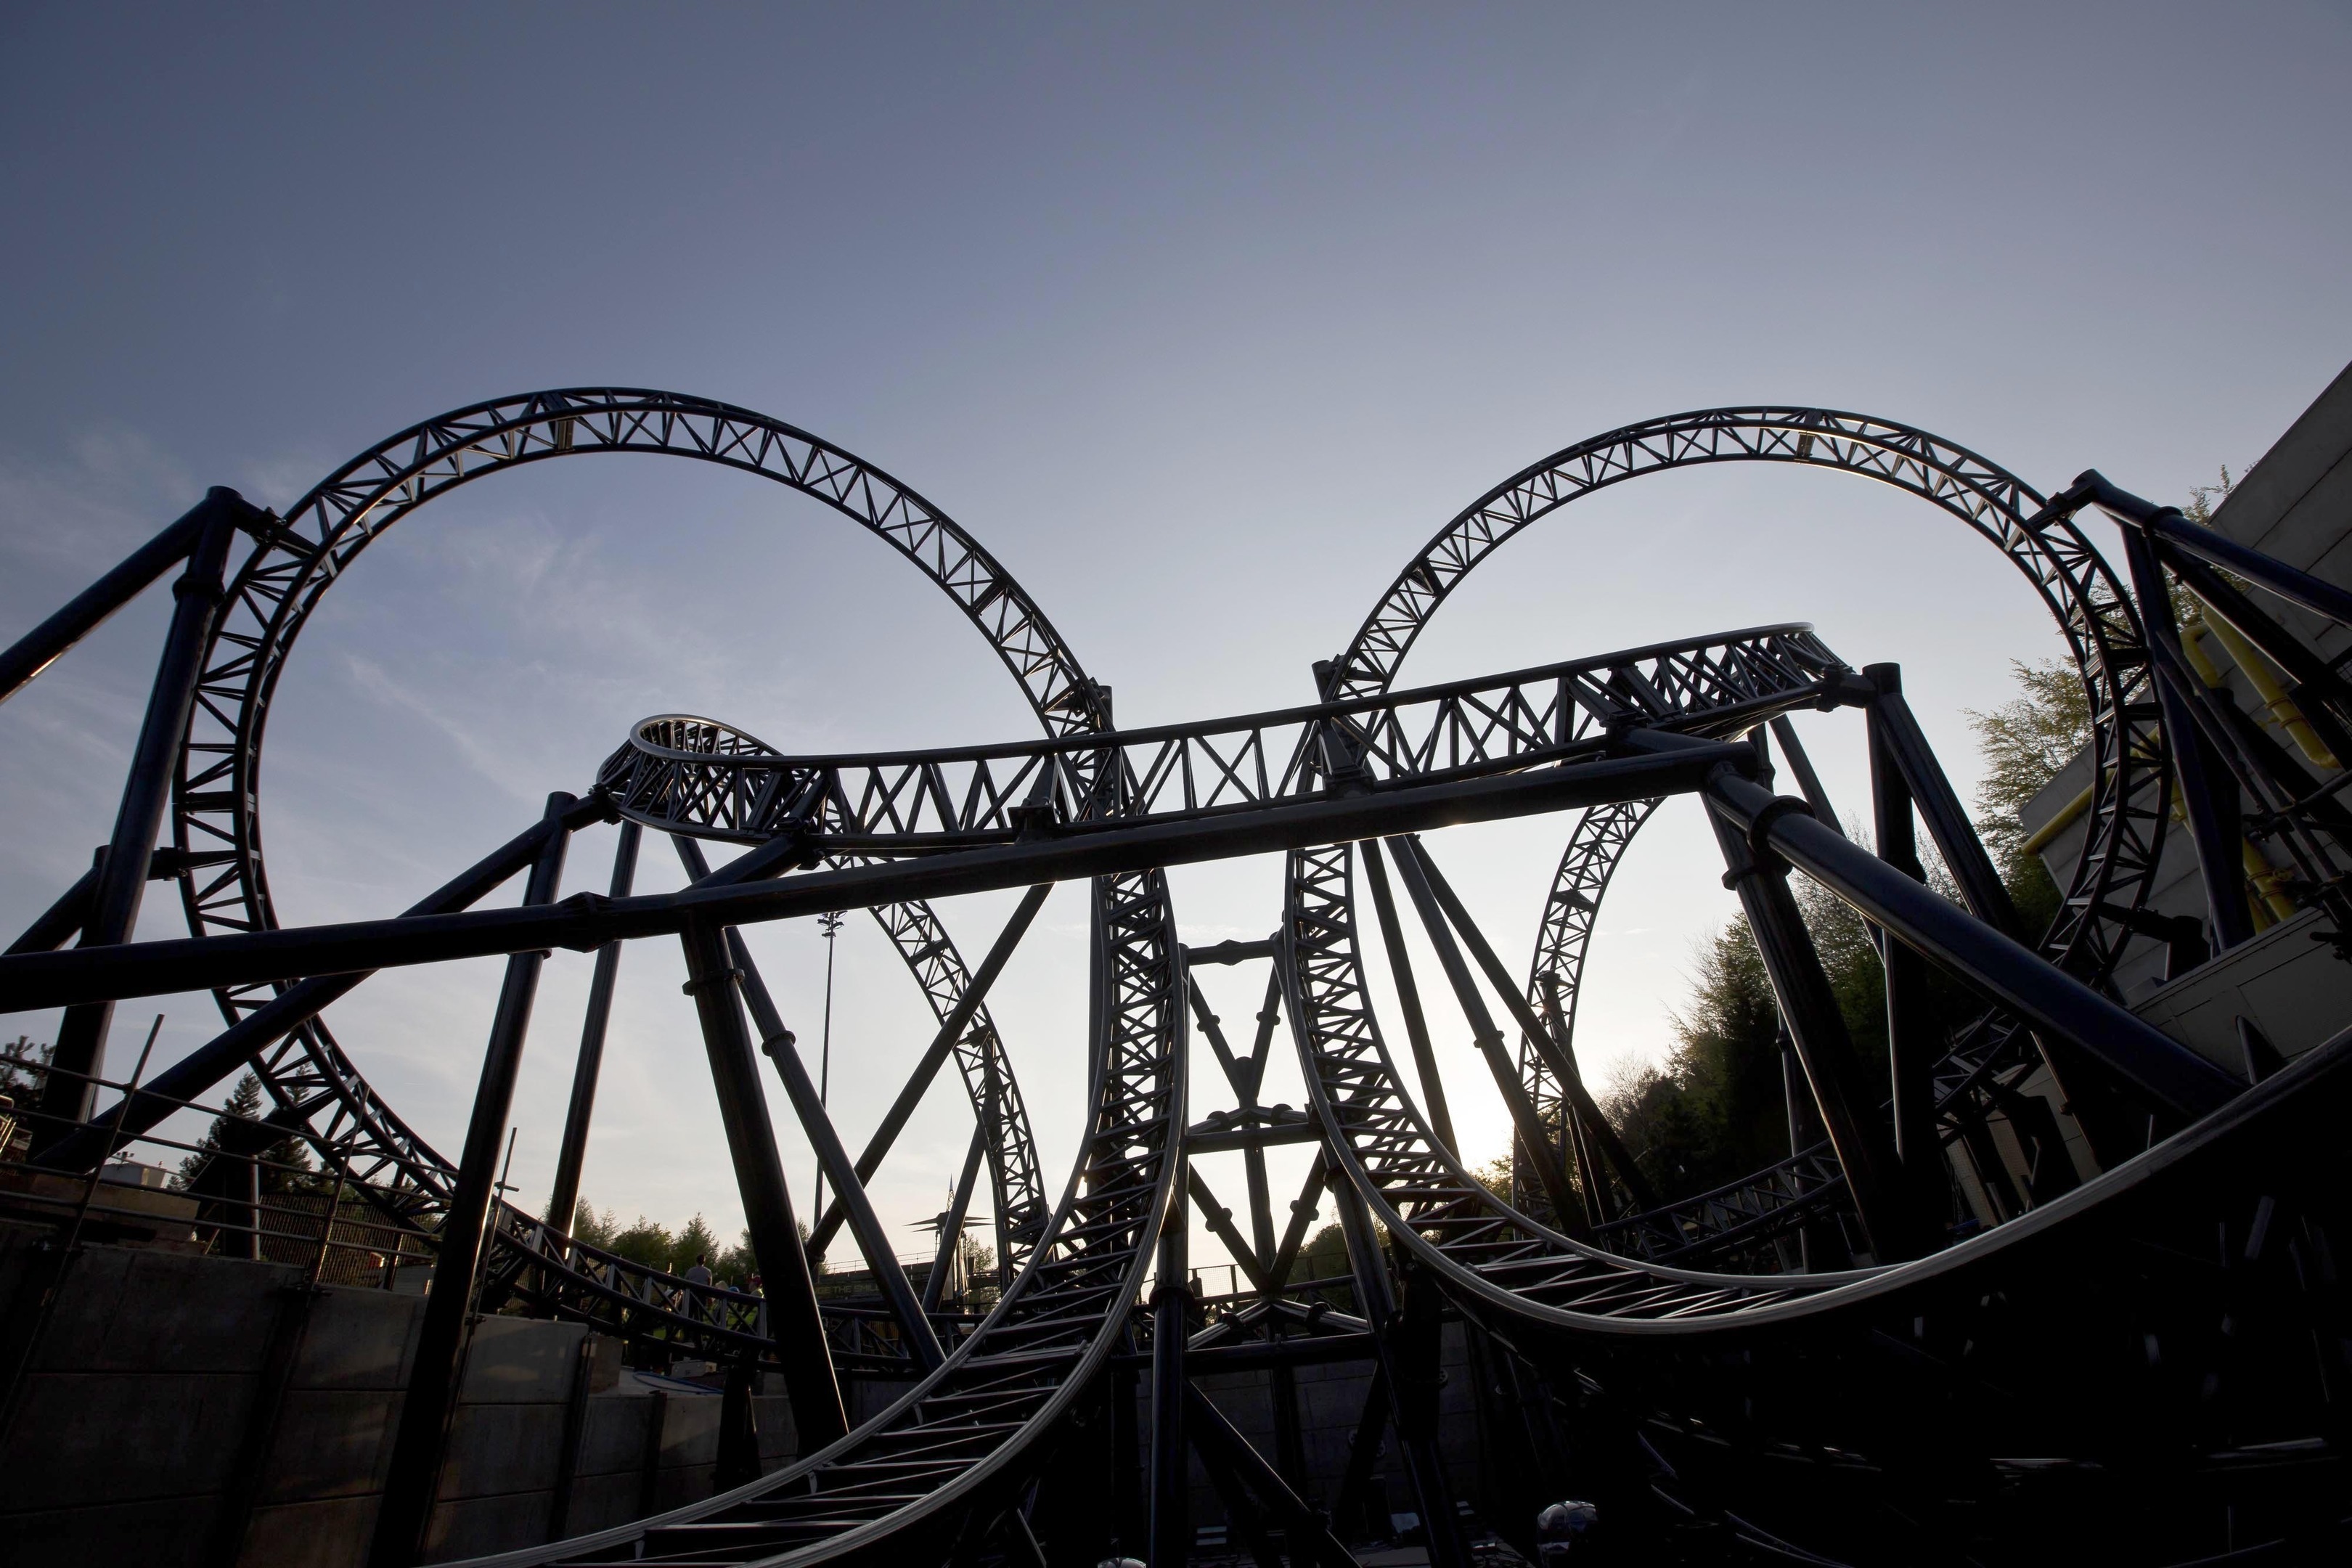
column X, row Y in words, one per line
column 2145, row 1367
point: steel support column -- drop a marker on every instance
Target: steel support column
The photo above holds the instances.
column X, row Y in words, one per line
column 415, row 1468
column 1912, row 1047
column 2208, row 791
column 68, row 1093
column 1308, row 1534
column 573, row 1153
column 1171, row 1300
column 790, row 1288
column 1416, row 1023
column 1810, row 1010
column 1489, row 1039
column 776, row 1043
column 1424, row 1469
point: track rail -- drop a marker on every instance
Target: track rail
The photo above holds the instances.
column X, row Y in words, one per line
column 693, row 776
column 318, row 1092
column 2082, row 595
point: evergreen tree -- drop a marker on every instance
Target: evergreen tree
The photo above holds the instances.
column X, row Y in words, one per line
column 24, row 1065
column 697, row 1240
column 643, row 1242
column 2025, row 743
column 595, row 1229
column 285, row 1164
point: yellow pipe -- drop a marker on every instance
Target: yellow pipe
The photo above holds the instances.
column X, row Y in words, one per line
column 2042, row 836
column 2266, row 686
column 2192, row 643
column 2274, row 905
column 2270, row 906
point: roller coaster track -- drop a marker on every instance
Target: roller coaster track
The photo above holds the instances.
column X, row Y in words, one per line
column 2112, row 878
column 2171, row 1331
column 316, row 1091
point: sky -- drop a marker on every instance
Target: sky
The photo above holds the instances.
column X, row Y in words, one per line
column 1202, row 318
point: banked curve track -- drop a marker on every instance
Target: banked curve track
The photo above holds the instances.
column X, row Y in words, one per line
column 2113, row 876
column 1702, row 1381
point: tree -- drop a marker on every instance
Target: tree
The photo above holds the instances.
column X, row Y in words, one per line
column 979, row 1262
column 285, row 1163
column 643, row 1242
column 698, row 1240
column 595, row 1229
column 24, row 1066
column 2025, row 743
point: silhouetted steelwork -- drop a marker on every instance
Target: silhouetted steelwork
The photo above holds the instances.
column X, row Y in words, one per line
column 2180, row 1304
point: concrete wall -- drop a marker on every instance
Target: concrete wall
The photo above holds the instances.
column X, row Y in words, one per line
column 183, row 1409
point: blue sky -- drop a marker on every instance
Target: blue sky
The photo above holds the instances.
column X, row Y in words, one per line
column 1202, row 319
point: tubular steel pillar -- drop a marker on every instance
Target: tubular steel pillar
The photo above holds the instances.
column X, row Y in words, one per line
column 574, row 1152
column 864, row 1223
column 209, row 1063
column 1416, row 1025
column 1911, row 1043
column 1809, row 1009
column 415, row 1468
column 40, row 648
column 1489, row 1039
column 69, row 1094
column 1171, row 1298
column 794, row 1323
column 951, row 1224
column 1424, row 1469
column 1411, row 851
column 2209, row 794
column 776, row 1043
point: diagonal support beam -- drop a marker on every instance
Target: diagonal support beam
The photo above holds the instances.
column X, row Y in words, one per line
column 1303, row 1209
column 1619, row 1158
column 776, row 1041
column 1213, row 1434
column 185, row 1081
column 1408, row 990
column 951, row 1224
column 413, row 1476
column 795, row 1322
column 1489, row 1039
column 1220, row 1225
column 40, row 648
column 919, row 1082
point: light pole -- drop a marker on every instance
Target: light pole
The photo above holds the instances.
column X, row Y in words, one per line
column 830, row 926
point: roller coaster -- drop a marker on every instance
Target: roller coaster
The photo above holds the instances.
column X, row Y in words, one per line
column 2075, row 1292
